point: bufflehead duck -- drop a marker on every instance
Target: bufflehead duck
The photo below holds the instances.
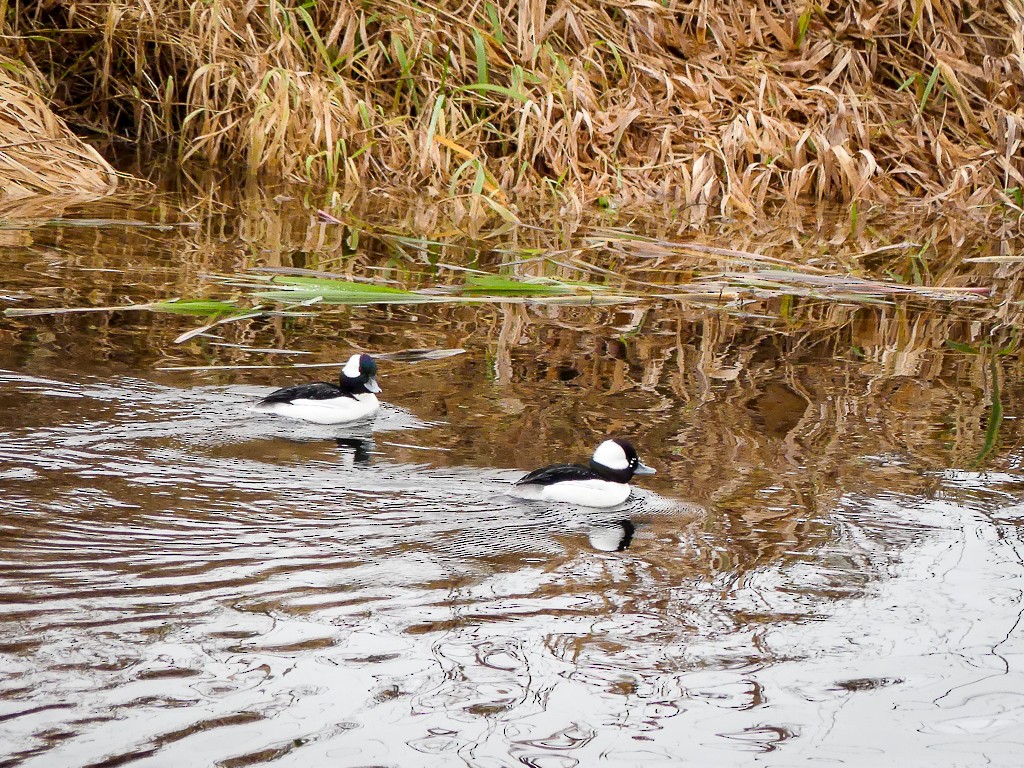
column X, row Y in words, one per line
column 605, row 483
column 352, row 398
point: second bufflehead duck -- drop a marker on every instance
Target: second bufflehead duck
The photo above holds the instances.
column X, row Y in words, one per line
column 354, row 397
column 604, row 483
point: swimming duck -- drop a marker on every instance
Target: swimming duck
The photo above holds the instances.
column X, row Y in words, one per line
column 604, row 483
column 354, row 397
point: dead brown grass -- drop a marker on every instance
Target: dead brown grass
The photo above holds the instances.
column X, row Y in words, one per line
column 40, row 158
column 717, row 107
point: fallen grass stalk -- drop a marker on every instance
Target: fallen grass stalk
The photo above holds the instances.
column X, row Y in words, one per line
column 847, row 285
column 210, row 326
column 35, row 312
column 293, row 288
column 403, row 356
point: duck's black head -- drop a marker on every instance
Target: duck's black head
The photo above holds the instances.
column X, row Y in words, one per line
column 359, row 375
column 617, row 460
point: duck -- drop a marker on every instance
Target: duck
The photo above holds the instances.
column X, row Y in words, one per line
column 603, row 483
column 354, row 397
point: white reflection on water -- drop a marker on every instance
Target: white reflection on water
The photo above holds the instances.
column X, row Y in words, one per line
column 180, row 588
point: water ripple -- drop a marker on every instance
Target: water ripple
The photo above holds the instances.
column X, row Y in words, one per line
column 179, row 579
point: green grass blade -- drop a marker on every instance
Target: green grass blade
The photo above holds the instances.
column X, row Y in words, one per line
column 481, row 57
column 199, row 307
column 501, row 90
column 299, row 289
column 489, row 284
column 928, row 88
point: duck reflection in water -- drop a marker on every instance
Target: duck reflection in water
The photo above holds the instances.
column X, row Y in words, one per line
column 355, row 450
column 611, row 537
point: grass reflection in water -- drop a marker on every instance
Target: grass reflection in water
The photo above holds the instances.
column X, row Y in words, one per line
column 180, row 578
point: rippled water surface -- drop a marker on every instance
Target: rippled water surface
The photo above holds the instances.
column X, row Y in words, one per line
column 826, row 569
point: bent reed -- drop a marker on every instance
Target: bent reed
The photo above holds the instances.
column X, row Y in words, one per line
column 714, row 107
column 40, row 156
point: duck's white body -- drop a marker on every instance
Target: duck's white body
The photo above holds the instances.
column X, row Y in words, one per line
column 337, row 410
column 586, row 493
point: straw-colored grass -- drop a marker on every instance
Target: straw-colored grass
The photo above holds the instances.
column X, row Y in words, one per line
column 40, row 157
column 716, row 107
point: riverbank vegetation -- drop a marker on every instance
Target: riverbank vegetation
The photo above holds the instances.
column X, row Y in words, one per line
column 710, row 107
column 41, row 156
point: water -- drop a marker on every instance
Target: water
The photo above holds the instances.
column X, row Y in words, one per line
column 822, row 572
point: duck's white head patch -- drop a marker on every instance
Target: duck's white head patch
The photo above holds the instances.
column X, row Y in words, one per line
column 351, row 369
column 610, row 454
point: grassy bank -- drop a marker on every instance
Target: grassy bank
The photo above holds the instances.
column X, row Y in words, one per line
column 40, row 157
column 712, row 107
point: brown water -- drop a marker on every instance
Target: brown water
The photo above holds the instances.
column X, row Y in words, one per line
column 827, row 568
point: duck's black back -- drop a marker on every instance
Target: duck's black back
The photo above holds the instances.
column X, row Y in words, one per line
column 319, row 391
column 558, row 473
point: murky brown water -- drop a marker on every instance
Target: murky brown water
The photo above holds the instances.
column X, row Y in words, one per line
column 827, row 568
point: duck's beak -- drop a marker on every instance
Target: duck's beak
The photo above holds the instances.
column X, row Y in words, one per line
column 372, row 385
column 643, row 469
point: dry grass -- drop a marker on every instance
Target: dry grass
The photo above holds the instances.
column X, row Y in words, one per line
column 40, row 158
column 714, row 107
